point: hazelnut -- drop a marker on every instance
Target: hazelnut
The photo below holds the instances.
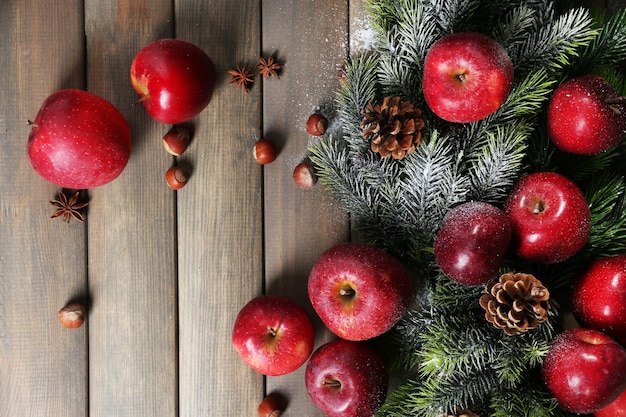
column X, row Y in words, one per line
column 264, row 151
column 176, row 140
column 304, row 175
column 176, row 177
column 317, row 124
column 72, row 315
column 270, row 407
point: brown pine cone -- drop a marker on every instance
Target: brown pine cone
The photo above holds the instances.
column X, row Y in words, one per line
column 461, row 413
column 516, row 303
column 393, row 127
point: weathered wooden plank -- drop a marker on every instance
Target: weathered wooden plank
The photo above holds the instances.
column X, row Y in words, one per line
column 310, row 38
column 220, row 217
column 132, row 231
column 43, row 366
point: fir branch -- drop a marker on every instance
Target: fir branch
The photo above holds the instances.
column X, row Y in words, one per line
column 512, row 30
column 343, row 179
column 454, row 345
column 555, row 45
column 449, row 297
column 496, row 164
column 396, row 404
column 359, row 89
column 526, row 99
column 609, row 47
column 384, row 13
column 403, row 52
column 527, row 399
column 436, row 396
column 606, row 196
column 521, row 353
column 430, row 184
column 580, row 168
column 451, row 15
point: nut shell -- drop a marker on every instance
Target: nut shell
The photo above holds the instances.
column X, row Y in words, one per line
column 176, row 140
column 264, row 151
column 270, row 407
column 304, row 175
column 176, row 177
column 317, row 124
column 72, row 315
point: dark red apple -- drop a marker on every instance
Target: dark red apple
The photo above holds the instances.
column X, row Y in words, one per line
column 599, row 297
column 347, row 379
column 467, row 76
column 273, row 335
column 585, row 370
column 586, row 115
column 550, row 218
column 175, row 80
column 359, row 291
column 471, row 242
column 616, row 409
column 78, row 140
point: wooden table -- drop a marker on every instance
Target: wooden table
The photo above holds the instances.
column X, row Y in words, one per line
column 164, row 273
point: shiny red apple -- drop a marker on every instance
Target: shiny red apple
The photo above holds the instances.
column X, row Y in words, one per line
column 616, row 409
column 471, row 242
column 586, row 115
column 585, row 370
column 550, row 218
column 347, row 379
column 78, row 140
column 174, row 79
column 359, row 291
column 599, row 297
column 467, row 76
column 273, row 335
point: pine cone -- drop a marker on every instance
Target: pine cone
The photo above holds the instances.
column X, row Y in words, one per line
column 461, row 413
column 516, row 303
column 394, row 127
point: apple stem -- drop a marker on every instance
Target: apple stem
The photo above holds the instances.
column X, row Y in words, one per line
column 347, row 292
column 31, row 123
column 538, row 208
column 333, row 383
column 271, row 331
column 616, row 100
column 141, row 100
column 616, row 104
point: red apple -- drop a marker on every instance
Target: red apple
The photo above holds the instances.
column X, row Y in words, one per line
column 586, row 116
column 273, row 335
column 585, row 370
column 359, row 291
column 599, row 297
column 471, row 242
column 78, row 140
column 550, row 218
column 467, row 76
column 175, row 80
column 616, row 409
column 346, row 379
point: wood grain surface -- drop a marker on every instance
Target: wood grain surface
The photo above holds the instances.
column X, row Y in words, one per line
column 164, row 273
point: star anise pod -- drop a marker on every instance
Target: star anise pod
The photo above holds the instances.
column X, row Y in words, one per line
column 268, row 67
column 241, row 78
column 68, row 208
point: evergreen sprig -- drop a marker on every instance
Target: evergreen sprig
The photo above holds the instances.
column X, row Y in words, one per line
column 554, row 45
column 609, row 47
